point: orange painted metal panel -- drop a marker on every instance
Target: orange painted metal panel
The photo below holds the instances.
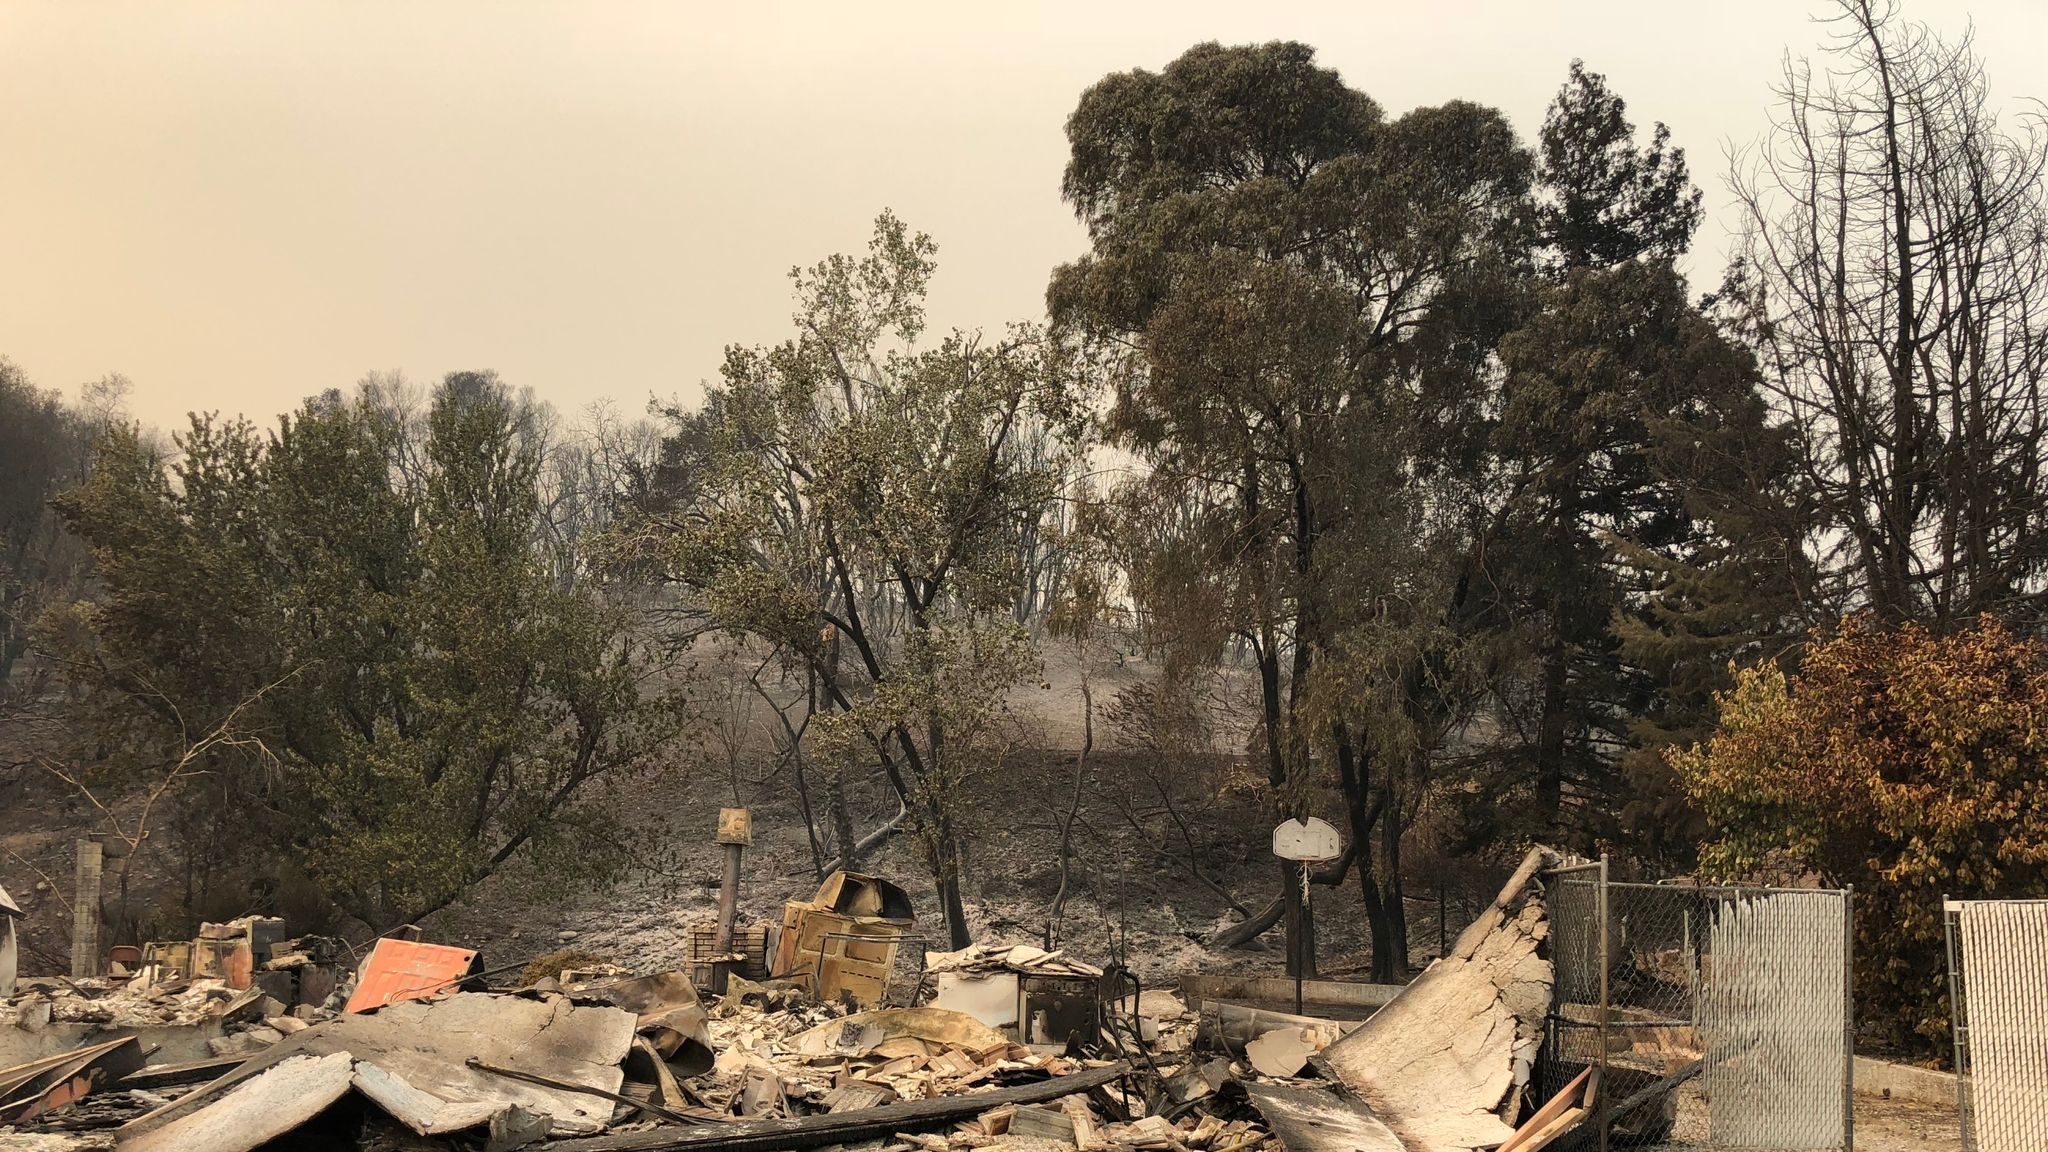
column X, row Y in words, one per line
column 403, row 970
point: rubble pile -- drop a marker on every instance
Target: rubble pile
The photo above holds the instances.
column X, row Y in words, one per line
column 999, row 1046
column 1023, row 958
column 96, row 1000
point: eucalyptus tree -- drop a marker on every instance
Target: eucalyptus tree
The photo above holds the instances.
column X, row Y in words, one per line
column 1299, row 299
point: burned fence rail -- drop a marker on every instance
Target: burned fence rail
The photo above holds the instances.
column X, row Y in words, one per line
column 1747, row 985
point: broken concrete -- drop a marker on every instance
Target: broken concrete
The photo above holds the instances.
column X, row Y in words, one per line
column 1447, row 1063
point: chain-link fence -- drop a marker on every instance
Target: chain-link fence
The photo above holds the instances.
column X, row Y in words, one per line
column 1998, row 991
column 1574, row 1040
column 1746, row 989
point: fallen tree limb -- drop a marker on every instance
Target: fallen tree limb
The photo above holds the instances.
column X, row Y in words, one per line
column 842, row 1127
column 868, row 843
column 1245, row 931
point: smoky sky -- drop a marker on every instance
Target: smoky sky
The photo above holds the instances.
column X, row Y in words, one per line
column 238, row 205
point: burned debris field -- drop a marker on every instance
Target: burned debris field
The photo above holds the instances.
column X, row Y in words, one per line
column 1384, row 578
column 844, row 1022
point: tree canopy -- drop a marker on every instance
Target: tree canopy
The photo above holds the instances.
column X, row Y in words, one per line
column 854, row 499
column 430, row 702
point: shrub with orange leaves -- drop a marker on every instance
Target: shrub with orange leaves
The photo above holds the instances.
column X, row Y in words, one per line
column 1909, row 764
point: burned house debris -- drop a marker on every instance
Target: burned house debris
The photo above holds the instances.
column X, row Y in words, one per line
column 1490, row 1049
column 845, row 938
column 1448, row 1063
column 9, row 946
column 1041, row 997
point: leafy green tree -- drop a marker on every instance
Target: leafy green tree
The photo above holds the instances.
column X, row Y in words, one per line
column 1298, row 301
column 1603, row 201
column 1904, row 762
column 1612, row 386
column 858, row 501
column 436, row 704
column 45, row 448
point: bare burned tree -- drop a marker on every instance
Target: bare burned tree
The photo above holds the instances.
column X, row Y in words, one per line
column 131, row 817
column 1894, row 277
column 1169, row 794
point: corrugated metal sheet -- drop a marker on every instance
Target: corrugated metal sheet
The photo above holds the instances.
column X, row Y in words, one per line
column 403, row 970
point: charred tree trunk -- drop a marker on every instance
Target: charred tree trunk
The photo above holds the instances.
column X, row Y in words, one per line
column 946, row 876
column 1393, row 901
column 1550, row 735
column 842, row 821
column 1073, row 813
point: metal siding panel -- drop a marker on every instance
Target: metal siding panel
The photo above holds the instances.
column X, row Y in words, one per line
column 404, row 970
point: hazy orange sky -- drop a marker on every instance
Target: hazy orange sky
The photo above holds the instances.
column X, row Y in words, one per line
column 239, row 204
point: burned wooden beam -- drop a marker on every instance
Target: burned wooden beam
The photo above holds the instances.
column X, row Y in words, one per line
column 842, row 1127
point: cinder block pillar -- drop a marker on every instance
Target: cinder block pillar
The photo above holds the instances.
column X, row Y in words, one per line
column 85, row 912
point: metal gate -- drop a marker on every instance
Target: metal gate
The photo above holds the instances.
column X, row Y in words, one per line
column 1998, row 988
column 1745, row 988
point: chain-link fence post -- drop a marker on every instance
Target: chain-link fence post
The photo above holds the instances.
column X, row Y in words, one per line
column 1958, row 1022
column 1606, row 1003
column 1849, row 1019
column 1572, row 1043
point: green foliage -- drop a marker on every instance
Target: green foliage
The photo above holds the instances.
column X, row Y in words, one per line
column 1298, row 302
column 950, row 685
column 1631, row 433
column 1605, row 202
column 432, row 702
column 854, row 498
column 1629, row 439
column 45, row 447
column 1907, row 763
